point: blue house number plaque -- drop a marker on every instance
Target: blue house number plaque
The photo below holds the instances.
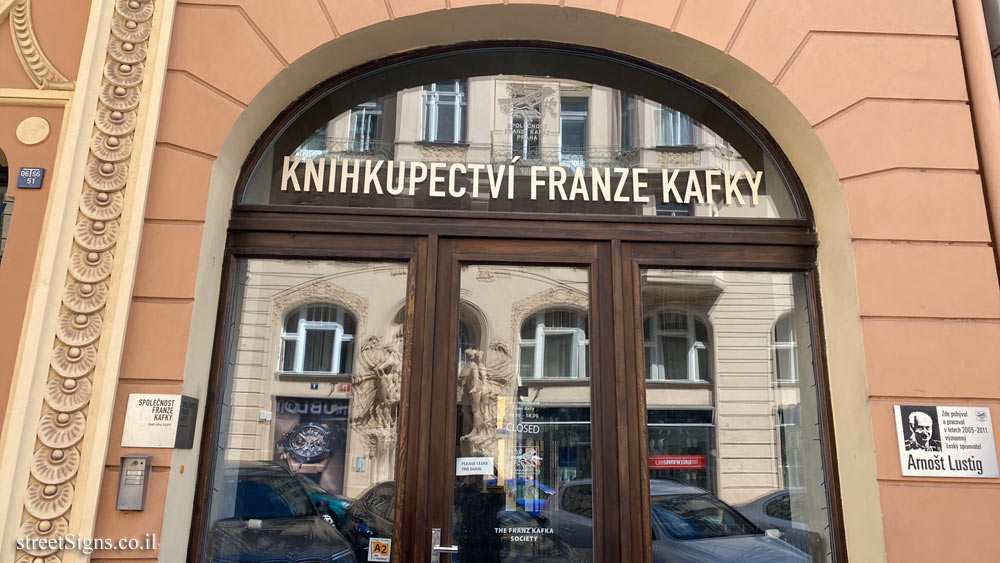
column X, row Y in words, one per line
column 30, row 178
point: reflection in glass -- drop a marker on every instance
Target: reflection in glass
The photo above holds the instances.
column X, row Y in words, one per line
column 676, row 128
column 573, row 125
column 784, row 349
column 698, row 516
column 555, row 340
column 308, row 421
column 732, row 415
column 365, row 126
column 523, row 418
column 318, row 338
column 657, row 151
column 444, row 112
column 677, row 346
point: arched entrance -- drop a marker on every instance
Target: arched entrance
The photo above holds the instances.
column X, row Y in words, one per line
column 634, row 238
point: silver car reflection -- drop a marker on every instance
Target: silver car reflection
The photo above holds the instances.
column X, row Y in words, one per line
column 776, row 511
column 690, row 525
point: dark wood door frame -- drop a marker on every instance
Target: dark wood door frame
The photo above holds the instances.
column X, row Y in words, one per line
column 634, row 256
column 434, row 249
column 242, row 246
column 422, row 238
column 595, row 256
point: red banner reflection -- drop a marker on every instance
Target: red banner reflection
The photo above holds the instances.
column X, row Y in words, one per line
column 677, row 462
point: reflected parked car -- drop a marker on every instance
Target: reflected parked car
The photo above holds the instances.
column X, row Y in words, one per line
column 690, row 525
column 530, row 494
column 480, row 511
column 272, row 519
column 370, row 516
column 774, row 510
column 336, row 505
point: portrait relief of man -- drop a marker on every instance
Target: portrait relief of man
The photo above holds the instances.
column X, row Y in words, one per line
column 922, row 432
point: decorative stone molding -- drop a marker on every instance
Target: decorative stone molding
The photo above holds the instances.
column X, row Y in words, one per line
column 487, row 274
column 552, row 297
column 322, row 291
column 39, row 68
column 85, row 297
column 44, row 529
column 73, row 362
column 33, row 130
column 25, row 558
column 54, row 467
column 443, row 152
column 46, row 502
column 67, row 395
column 68, row 390
column 677, row 159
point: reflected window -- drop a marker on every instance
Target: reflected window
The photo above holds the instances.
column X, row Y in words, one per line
column 365, row 120
column 676, row 128
column 526, row 124
column 315, row 145
column 790, row 437
column 468, row 337
column 693, row 516
column 629, row 121
column 784, row 350
column 681, row 444
column 780, row 507
column 677, row 346
column 673, row 209
column 554, row 344
column 318, row 338
column 579, row 500
column 444, row 112
column 381, row 501
column 573, row 124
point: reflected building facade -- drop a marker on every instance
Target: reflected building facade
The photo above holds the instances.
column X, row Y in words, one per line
column 528, row 121
column 320, row 343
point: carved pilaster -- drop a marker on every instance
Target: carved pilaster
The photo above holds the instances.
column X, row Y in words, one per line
column 75, row 349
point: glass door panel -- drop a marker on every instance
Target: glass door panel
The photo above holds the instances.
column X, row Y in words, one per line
column 523, row 488
column 735, row 454
column 306, row 458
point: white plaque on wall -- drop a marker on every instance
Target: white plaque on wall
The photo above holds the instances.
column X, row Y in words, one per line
column 159, row 421
column 946, row 441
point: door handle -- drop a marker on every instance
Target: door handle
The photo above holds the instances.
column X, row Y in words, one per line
column 437, row 549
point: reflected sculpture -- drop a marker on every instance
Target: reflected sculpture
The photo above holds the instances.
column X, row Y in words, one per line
column 375, row 392
column 480, row 384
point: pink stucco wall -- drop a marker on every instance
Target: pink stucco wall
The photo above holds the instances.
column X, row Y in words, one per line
column 883, row 86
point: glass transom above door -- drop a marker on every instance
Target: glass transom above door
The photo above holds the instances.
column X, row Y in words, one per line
column 538, row 132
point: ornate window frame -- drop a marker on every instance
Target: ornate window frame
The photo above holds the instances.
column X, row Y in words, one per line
column 696, row 372
column 298, row 341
